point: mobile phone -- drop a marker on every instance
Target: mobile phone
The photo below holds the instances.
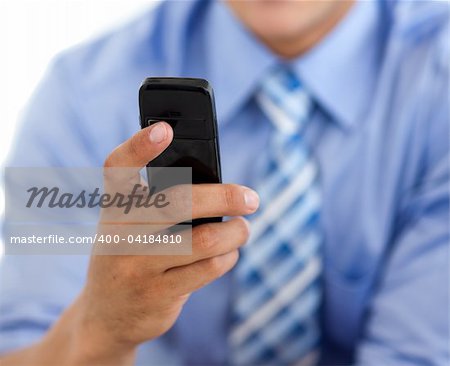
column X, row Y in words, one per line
column 187, row 104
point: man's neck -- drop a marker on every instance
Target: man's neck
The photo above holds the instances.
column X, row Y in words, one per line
column 292, row 47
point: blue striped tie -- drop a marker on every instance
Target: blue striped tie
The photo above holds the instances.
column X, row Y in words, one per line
column 275, row 310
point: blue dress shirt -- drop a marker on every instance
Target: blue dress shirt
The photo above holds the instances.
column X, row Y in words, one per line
column 380, row 132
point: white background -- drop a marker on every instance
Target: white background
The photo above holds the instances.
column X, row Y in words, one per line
column 32, row 32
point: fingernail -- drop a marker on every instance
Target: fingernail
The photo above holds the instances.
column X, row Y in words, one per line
column 158, row 133
column 251, row 199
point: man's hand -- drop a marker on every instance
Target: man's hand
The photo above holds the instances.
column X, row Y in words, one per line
column 130, row 299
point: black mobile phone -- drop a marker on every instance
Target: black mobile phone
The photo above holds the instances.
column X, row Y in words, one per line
column 187, row 104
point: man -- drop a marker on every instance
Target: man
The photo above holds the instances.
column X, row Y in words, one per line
column 371, row 78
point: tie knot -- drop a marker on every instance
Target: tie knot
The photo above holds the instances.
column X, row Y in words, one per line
column 284, row 100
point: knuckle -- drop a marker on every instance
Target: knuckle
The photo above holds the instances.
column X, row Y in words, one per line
column 215, row 266
column 230, row 260
column 234, row 257
column 230, row 194
column 241, row 229
column 134, row 145
column 205, row 236
column 219, row 265
column 180, row 199
column 109, row 161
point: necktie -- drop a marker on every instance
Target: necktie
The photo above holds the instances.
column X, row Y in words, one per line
column 277, row 280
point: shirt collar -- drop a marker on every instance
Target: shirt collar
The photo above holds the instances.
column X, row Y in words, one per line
column 236, row 60
column 341, row 71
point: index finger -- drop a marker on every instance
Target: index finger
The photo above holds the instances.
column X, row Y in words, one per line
column 213, row 200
